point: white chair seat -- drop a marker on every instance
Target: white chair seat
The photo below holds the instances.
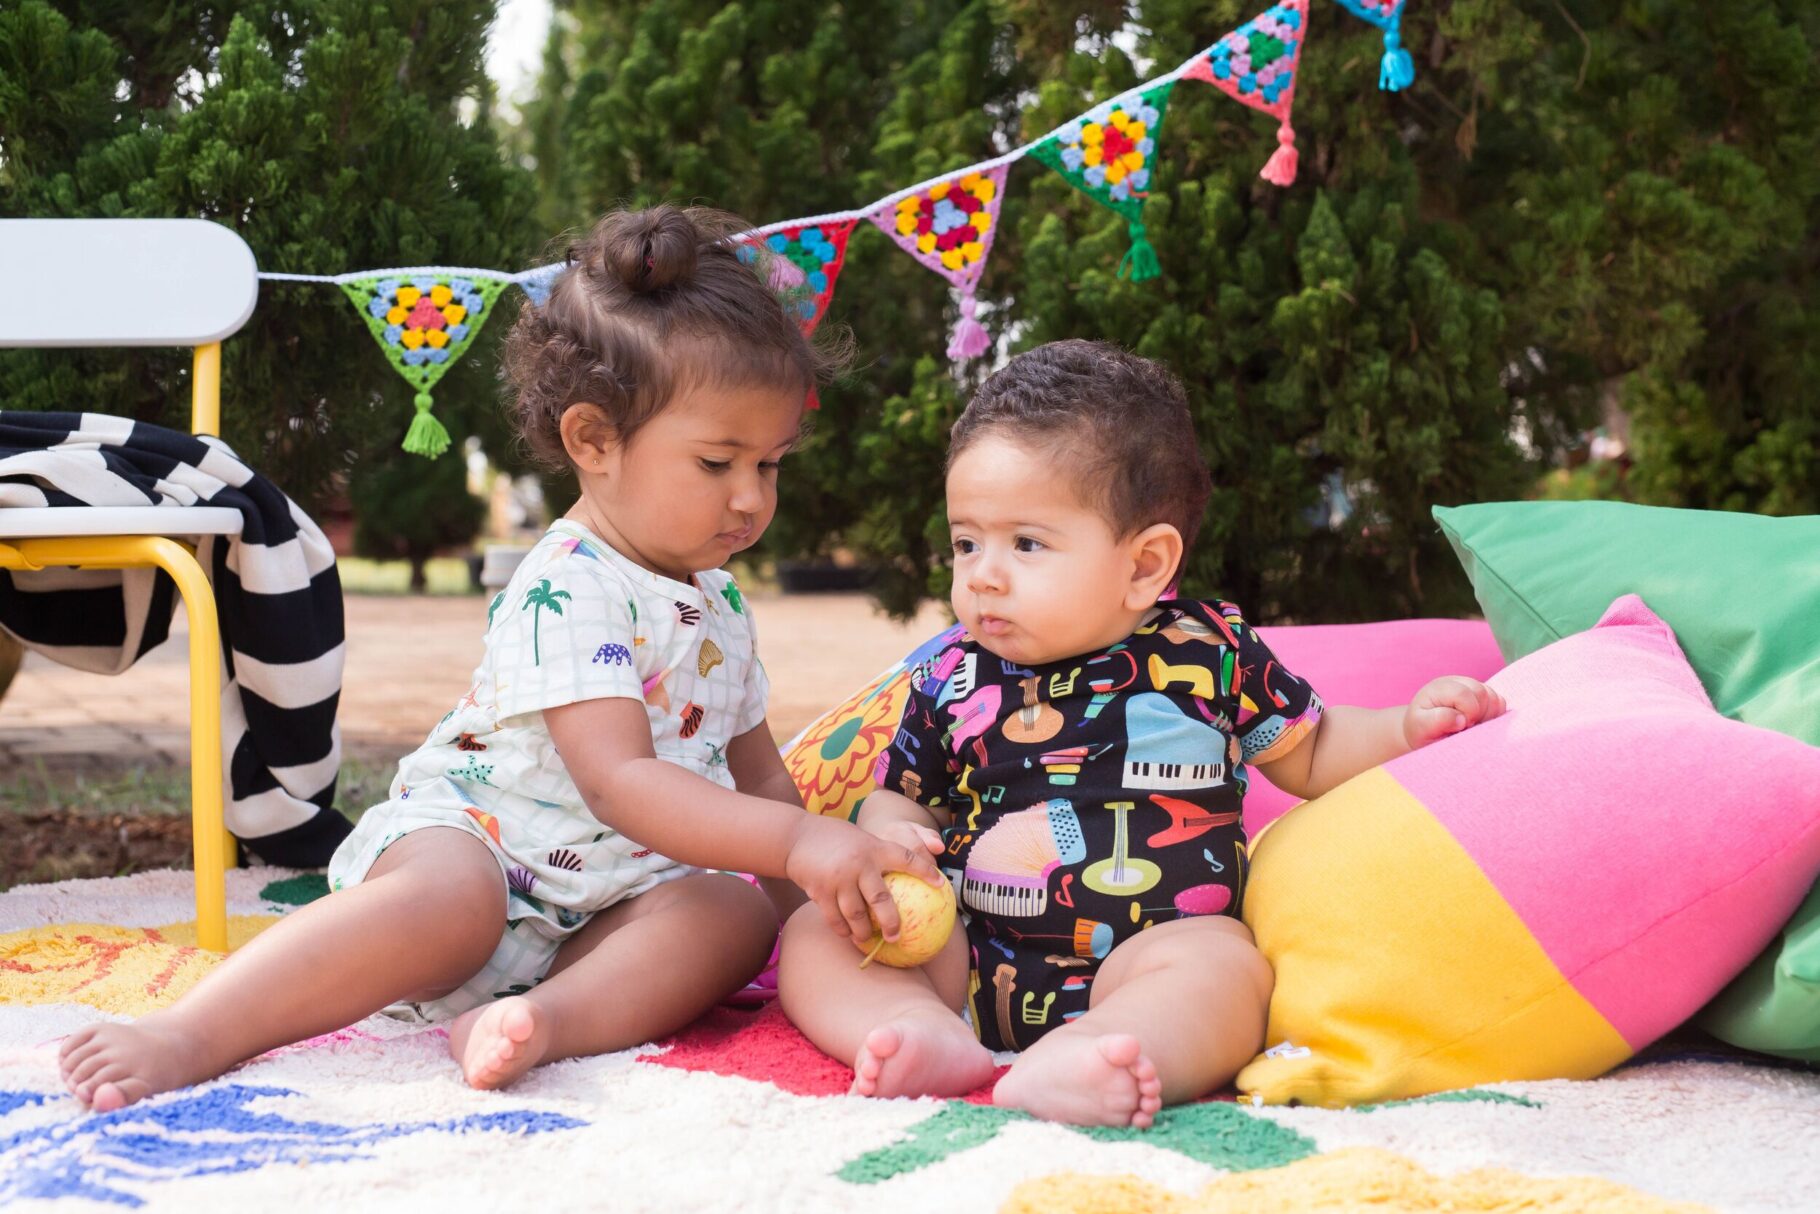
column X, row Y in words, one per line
column 41, row 522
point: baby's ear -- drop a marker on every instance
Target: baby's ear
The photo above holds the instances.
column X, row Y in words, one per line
column 1156, row 558
column 587, row 435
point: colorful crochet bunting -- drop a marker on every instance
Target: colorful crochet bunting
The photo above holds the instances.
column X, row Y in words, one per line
column 1256, row 65
column 423, row 324
column 1397, row 71
column 804, row 262
column 949, row 227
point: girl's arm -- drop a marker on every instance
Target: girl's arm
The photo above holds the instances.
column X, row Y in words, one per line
column 605, row 745
column 1347, row 740
column 759, row 771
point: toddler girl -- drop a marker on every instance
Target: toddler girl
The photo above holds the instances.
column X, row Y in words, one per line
column 537, row 876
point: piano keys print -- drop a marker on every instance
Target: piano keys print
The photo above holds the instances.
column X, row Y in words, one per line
column 1167, row 750
column 1008, row 869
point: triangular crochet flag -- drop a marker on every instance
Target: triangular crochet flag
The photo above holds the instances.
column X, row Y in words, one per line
column 949, row 227
column 1256, row 65
column 805, row 260
column 1397, row 71
column 424, row 323
column 1108, row 153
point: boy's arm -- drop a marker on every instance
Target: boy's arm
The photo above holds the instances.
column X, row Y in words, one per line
column 1347, row 740
column 606, row 746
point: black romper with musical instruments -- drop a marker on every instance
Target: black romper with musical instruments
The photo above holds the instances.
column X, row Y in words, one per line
column 1092, row 797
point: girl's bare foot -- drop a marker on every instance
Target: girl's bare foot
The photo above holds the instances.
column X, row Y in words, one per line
column 109, row 1066
column 921, row 1055
column 1083, row 1079
column 497, row 1043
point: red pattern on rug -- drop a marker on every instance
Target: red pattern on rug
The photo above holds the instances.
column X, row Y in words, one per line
column 766, row 1047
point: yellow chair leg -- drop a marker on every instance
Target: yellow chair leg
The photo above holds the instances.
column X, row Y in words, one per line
column 214, row 847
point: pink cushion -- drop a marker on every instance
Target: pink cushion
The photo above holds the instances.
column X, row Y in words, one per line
column 1536, row 897
column 1370, row 666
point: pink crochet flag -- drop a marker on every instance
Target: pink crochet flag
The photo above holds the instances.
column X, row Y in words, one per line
column 1256, row 65
column 949, row 227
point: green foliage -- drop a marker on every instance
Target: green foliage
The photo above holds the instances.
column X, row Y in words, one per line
column 405, row 506
column 328, row 134
column 1595, row 199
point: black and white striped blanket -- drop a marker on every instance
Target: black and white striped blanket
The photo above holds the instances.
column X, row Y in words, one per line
column 277, row 595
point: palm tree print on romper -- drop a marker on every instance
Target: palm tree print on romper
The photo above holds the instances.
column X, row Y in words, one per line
column 536, row 599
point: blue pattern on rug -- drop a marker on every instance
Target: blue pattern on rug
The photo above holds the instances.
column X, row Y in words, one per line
column 105, row 1156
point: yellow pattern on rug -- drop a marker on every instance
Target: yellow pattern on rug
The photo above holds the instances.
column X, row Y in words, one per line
column 125, row 970
column 1357, row 1179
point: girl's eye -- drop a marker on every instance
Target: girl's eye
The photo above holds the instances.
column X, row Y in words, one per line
column 770, row 465
column 1026, row 544
column 715, row 465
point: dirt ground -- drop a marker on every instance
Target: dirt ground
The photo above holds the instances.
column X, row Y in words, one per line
column 94, row 770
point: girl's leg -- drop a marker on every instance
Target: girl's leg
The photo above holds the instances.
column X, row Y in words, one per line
column 427, row 916
column 1176, row 1011
column 901, row 1027
column 639, row 970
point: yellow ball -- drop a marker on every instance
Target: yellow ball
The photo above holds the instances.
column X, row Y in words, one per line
column 925, row 916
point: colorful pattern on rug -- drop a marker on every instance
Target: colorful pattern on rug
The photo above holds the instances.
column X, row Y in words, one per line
column 739, row 1112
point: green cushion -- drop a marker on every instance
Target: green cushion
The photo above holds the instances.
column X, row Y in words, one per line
column 1742, row 592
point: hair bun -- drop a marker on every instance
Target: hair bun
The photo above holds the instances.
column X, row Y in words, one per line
column 648, row 250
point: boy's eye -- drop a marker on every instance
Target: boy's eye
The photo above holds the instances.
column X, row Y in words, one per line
column 715, row 465
column 1025, row 544
column 964, row 547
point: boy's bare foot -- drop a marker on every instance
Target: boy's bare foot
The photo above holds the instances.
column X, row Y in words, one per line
column 921, row 1056
column 497, row 1043
column 109, row 1066
column 1084, row 1080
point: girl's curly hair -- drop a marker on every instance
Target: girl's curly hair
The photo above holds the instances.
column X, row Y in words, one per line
column 653, row 301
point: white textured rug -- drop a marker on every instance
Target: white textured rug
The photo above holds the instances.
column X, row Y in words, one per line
column 739, row 1114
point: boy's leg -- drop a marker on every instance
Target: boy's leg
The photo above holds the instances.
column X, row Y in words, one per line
column 1176, row 1011
column 427, row 916
column 901, row 1027
column 639, row 970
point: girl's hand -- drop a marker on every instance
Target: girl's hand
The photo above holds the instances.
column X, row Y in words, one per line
column 1446, row 706
column 842, row 868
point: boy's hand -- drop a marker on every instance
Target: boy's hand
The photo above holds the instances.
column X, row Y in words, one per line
column 842, row 868
column 1446, row 706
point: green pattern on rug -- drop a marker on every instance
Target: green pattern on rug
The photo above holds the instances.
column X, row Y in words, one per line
column 1218, row 1134
column 1463, row 1096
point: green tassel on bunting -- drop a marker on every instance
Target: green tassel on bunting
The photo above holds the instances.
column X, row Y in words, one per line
column 1140, row 258
column 427, row 436
column 423, row 322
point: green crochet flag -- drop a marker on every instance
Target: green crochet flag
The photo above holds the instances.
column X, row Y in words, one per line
column 423, row 323
column 1108, row 153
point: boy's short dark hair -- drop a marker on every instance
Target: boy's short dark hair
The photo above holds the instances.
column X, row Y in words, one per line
column 1119, row 422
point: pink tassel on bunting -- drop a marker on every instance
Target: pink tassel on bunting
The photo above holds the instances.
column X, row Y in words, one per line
column 970, row 337
column 1282, row 165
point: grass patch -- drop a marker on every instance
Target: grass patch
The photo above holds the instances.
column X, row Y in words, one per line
column 445, row 575
column 60, row 825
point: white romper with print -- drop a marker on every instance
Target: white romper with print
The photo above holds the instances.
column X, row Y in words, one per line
column 578, row 622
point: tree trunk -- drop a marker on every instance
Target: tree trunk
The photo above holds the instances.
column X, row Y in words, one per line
column 420, row 581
